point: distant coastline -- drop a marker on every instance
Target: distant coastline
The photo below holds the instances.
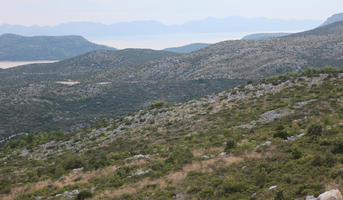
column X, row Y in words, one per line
column 10, row 64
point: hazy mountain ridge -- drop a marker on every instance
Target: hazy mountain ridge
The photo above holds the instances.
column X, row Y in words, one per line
column 254, row 59
column 333, row 19
column 20, row 48
column 209, row 25
column 263, row 36
column 187, row 48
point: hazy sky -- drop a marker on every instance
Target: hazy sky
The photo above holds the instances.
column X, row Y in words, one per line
column 50, row 12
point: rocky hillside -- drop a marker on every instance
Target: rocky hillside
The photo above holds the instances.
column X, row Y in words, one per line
column 19, row 48
column 246, row 59
column 76, row 92
column 278, row 138
column 81, row 90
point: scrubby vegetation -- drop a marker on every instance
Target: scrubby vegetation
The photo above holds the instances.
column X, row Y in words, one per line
column 279, row 138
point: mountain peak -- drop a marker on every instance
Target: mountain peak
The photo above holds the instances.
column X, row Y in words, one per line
column 334, row 18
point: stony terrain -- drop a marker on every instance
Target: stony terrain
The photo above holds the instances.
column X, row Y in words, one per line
column 244, row 59
column 278, row 138
column 135, row 78
column 81, row 90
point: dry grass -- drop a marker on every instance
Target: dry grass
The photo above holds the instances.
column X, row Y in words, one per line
column 176, row 178
column 70, row 179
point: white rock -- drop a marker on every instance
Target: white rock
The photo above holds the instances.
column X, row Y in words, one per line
column 77, row 170
column 222, row 154
column 268, row 143
column 272, row 187
column 139, row 156
column 24, row 153
column 141, row 172
column 311, row 197
column 290, row 139
column 331, row 195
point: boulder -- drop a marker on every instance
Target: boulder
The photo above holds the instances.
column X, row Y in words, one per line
column 331, row 195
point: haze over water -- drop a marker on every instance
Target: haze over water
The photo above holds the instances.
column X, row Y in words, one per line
column 9, row 64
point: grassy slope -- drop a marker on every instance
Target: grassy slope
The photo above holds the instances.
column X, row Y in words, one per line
column 185, row 142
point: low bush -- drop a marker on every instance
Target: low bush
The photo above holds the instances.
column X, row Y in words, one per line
column 84, row 195
column 315, row 130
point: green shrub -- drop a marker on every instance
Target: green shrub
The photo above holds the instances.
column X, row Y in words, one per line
column 231, row 185
column 261, row 178
column 179, row 157
column 328, row 160
column 230, row 144
column 338, row 147
column 113, row 180
column 279, row 195
column 281, row 134
column 5, row 186
column 296, row 154
column 156, row 104
column 206, row 193
column 84, row 195
column 315, row 130
column 72, row 162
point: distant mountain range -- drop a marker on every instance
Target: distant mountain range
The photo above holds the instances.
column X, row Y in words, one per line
column 98, row 31
column 187, row 48
column 263, row 36
column 20, row 48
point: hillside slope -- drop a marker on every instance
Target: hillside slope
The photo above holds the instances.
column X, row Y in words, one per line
column 19, row 48
column 187, row 48
column 245, row 59
column 333, row 19
column 275, row 139
column 263, row 36
column 78, row 91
